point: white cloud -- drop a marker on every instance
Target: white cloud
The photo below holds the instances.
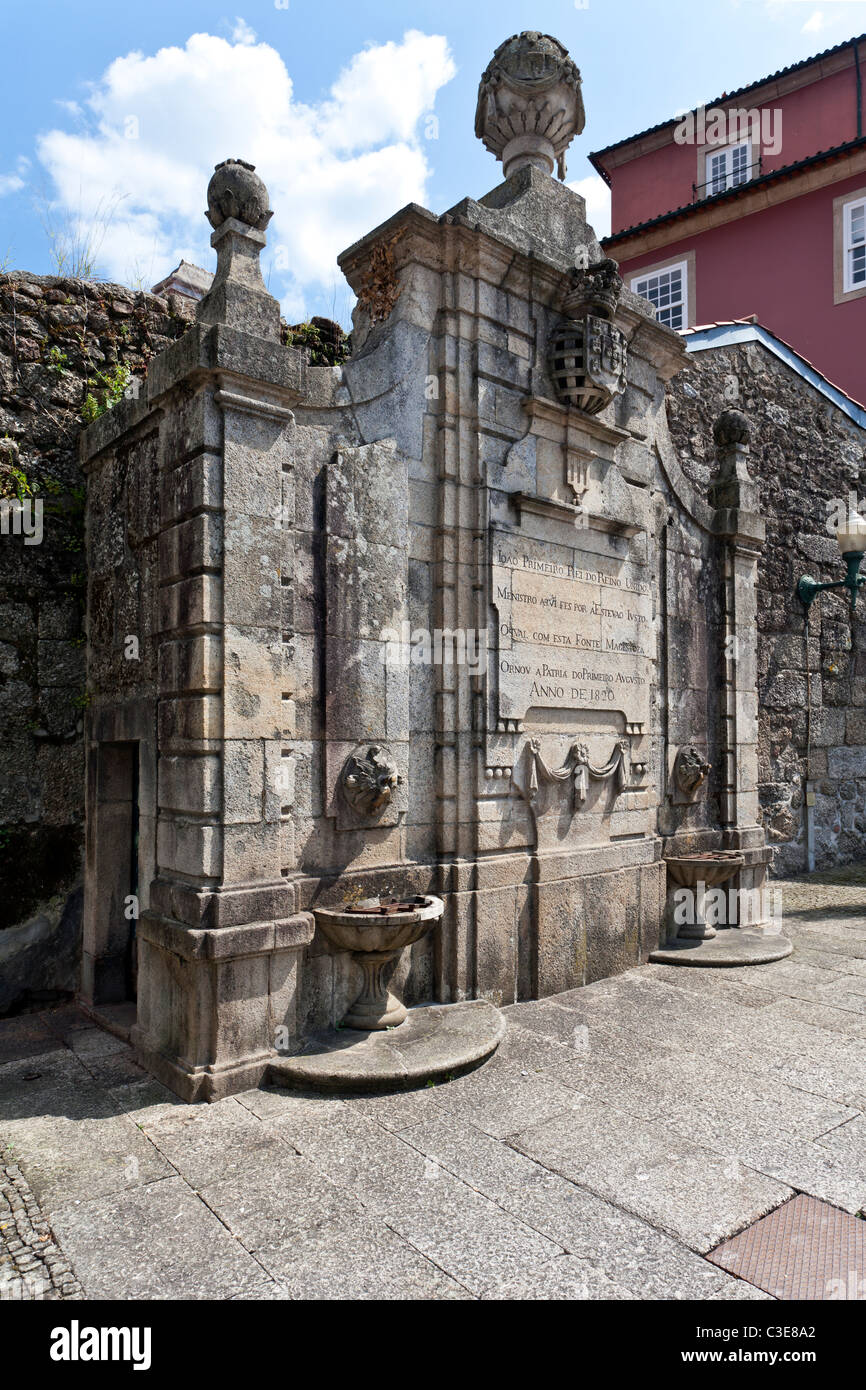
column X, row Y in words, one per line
column 836, row 15
column 814, row 24
column 156, row 126
column 13, row 183
column 242, row 33
column 597, row 195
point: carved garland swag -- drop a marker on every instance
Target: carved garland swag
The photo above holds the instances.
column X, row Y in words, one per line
column 578, row 769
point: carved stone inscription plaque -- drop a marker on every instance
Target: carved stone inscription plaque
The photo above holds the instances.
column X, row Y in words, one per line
column 574, row 631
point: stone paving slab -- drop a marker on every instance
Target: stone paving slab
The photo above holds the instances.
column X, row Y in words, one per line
column 219, row 1141
column 620, row 1133
column 158, row 1241
column 811, row 1167
column 701, row 1099
column 629, row 1252
column 501, row 1098
column 72, row 1143
column 463, row 1232
column 352, row 1257
column 278, row 1194
column 25, row 1037
column 686, row 1189
column 563, row 1277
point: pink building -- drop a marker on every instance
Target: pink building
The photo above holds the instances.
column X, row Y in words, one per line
column 756, row 205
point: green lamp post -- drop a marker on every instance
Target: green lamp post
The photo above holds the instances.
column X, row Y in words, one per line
column 851, row 539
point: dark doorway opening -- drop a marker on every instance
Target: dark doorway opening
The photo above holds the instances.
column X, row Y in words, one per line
column 110, row 964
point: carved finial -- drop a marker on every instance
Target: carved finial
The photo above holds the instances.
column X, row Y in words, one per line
column 731, row 427
column 530, row 105
column 235, row 190
column 237, row 209
column 595, row 290
column 733, row 487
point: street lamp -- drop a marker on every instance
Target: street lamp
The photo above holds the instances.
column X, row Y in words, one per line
column 851, row 539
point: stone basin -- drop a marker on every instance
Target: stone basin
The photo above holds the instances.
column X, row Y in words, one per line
column 376, row 932
column 711, row 868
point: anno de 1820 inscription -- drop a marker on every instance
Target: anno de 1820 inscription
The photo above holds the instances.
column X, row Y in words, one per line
column 572, row 632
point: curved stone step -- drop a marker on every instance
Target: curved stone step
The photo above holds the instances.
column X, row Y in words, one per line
column 731, row 946
column 436, row 1042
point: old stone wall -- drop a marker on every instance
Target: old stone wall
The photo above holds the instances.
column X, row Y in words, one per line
column 807, row 454
column 68, row 349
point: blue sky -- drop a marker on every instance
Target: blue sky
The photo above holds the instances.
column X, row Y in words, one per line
column 112, row 116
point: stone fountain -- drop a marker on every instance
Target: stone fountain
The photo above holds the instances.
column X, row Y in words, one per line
column 698, row 942
column 379, row 1044
column 697, row 872
column 375, row 931
column 472, row 633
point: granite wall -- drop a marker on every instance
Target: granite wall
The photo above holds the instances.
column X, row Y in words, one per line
column 61, row 341
column 806, row 454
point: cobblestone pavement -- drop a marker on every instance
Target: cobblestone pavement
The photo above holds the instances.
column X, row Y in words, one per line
column 31, row 1265
column 620, row 1133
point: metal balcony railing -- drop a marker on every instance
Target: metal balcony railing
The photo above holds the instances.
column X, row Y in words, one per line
column 713, row 187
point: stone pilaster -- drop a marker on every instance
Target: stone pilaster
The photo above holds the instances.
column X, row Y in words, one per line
column 741, row 533
column 219, row 940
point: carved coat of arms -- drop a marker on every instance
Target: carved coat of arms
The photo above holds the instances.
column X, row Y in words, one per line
column 605, row 355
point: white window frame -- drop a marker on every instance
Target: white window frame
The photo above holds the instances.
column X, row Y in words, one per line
column 856, row 206
column 729, row 176
column 655, row 273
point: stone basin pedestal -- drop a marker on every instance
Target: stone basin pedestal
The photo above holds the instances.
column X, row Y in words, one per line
column 698, row 872
column 376, row 932
column 699, row 943
column 381, row 1045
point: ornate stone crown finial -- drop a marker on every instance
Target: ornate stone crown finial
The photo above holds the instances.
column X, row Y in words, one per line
column 235, row 190
column 596, row 290
column 530, row 104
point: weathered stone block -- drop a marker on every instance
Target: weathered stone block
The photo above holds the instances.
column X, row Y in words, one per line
column 190, row 784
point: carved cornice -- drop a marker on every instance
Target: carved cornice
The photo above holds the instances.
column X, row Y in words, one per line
column 565, row 511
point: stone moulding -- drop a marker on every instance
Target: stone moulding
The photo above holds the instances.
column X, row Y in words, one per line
column 566, row 511
column 253, row 405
